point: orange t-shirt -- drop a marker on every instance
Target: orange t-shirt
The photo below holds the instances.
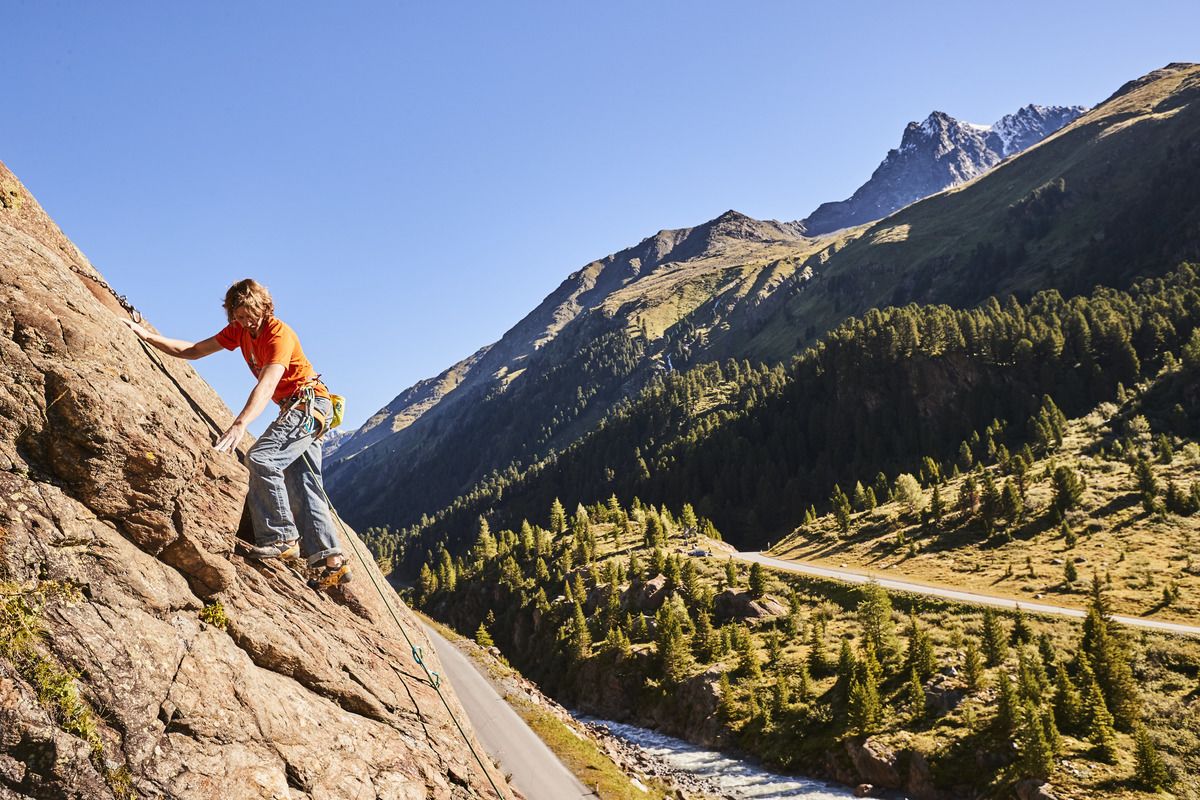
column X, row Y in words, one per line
column 276, row 343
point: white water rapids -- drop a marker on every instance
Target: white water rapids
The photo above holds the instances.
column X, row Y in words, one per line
column 729, row 776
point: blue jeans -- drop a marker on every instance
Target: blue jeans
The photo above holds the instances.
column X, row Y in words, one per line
column 285, row 486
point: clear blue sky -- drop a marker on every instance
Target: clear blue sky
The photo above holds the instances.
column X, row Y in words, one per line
column 410, row 180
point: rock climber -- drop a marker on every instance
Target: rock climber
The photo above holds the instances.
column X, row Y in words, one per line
column 286, row 497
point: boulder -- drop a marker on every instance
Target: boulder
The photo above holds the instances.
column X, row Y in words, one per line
column 1033, row 789
column 732, row 604
column 646, row 596
column 875, row 762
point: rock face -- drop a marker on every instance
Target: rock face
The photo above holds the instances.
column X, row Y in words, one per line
column 114, row 507
column 934, row 155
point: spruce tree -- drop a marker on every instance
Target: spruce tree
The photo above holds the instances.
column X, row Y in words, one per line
column 1151, row 772
column 1068, row 707
column 864, row 708
column 803, row 683
column 921, row 656
column 973, row 667
column 875, row 616
column 841, row 508
column 818, row 662
column 1068, row 489
column 1099, row 728
column 558, row 517
column 758, row 580
column 1037, row 756
column 937, row 508
column 726, row 705
column 914, row 697
column 1007, row 707
column 674, row 645
column 580, row 637
column 995, row 642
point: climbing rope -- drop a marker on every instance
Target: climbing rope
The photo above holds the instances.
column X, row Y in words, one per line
column 418, row 654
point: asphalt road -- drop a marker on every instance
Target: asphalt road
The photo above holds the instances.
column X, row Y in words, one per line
column 536, row 772
column 953, row 594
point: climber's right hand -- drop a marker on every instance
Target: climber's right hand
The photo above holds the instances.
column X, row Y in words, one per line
column 141, row 332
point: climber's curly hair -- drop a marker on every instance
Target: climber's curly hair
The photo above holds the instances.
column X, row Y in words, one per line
column 250, row 294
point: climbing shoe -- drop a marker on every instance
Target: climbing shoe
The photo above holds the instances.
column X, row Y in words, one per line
column 328, row 577
column 284, row 550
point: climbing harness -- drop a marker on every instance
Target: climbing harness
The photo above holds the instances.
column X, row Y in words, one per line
column 315, row 421
column 418, row 653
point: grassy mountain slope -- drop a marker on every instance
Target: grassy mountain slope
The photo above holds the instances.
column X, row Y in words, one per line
column 899, row 390
column 1113, row 195
column 591, row 343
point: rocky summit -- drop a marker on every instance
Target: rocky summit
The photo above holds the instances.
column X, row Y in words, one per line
column 140, row 654
column 937, row 154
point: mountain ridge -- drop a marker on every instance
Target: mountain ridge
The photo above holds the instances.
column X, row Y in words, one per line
column 937, row 154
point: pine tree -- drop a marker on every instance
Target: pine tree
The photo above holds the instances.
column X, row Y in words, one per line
column 968, row 497
column 558, row 517
column 803, row 683
column 1068, row 489
column 726, row 704
column 1011, row 504
column 1021, row 632
column 579, row 639
column 1147, row 484
column 973, row 667
column 818, row 662
column 1099, row 729
column 841, row 508
column 674, row 646
column 1068, row 707
column 875, row 616
column 1037, row 756
column 1006, row 707
column 758, row 580
column 908, row 491
column 1108, row 658
column 748, row 663
column 937, row 508
column 921, row 656
column 730, row 574
column 847, row 668
column 482, row 637
column 1151, row 772
column 914, row 697
column 781, row 697
column 427, row 585
column 705, row 640
column 995, row 642
column 864, row 708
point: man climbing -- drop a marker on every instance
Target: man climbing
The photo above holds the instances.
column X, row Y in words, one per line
column 285, row 463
